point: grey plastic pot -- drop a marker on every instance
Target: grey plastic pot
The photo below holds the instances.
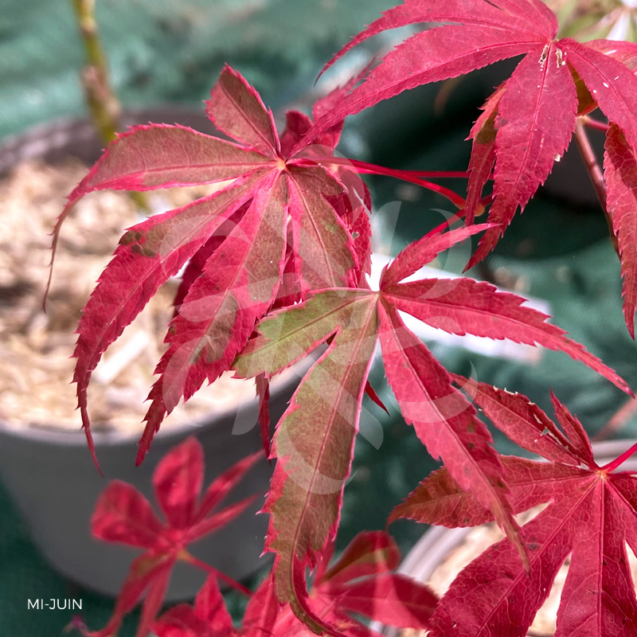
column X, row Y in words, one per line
column 50, row 476
column 438, row 542
column 52, row 480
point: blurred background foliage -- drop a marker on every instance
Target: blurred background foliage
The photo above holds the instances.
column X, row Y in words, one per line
column 592, row 19
column 169, row 51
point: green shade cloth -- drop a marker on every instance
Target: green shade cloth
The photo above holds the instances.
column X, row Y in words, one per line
column 167, row 50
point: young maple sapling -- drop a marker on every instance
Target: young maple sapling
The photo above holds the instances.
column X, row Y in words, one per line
column 277, row 263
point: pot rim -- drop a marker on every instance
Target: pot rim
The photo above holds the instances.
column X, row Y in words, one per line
column 62, row 437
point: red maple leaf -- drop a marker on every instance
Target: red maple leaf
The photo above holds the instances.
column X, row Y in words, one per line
column 591, row 514
column 122, row 515
column 236, row 239
column 360, row 582
column 315, row 437
column 527, row 124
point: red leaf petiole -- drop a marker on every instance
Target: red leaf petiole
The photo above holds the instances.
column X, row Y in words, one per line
column 611, row 466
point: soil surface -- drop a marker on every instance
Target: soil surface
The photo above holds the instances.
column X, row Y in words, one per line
column 35, row 347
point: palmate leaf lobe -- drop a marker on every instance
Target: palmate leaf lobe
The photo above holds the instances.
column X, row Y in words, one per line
column 483, row 155
column 620, row 172
column 217, row 316
column 148, row 254
column 314, row 439
column 534, row 124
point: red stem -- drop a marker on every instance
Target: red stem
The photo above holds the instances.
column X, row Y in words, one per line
column 595, row 124
column 454, row 198
column 432, row 174
column 611, row 466
column 595, row 173
column 187, row 557
column 446, row 223
column 404, row 175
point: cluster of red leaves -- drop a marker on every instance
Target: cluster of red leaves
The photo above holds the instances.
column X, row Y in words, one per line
column 591, row 515
column 360, row 582
column 122, row 515
column 315, row 436
column 275, row 266
column 528, row 122
column 283, row 225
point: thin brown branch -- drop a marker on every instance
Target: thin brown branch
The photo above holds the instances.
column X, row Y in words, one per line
column 101, row 100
